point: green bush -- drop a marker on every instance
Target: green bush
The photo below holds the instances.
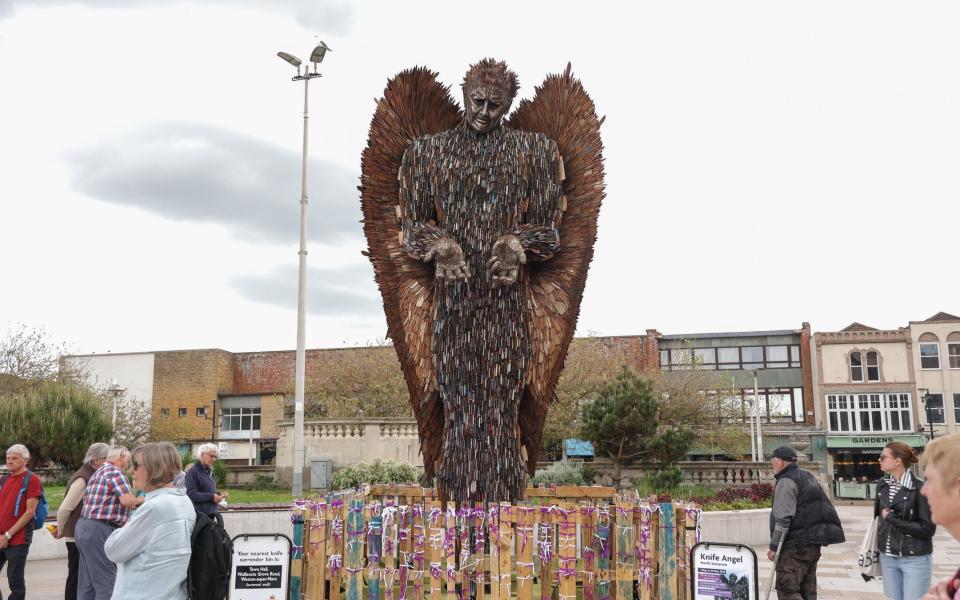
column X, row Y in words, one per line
column 380, row 471
column 589, row 473
column 262, row 481
column 665, row 479
column 558, row 474
column 219, row 473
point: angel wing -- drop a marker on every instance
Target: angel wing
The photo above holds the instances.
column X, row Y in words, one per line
column 414, row 104
column 563, row 111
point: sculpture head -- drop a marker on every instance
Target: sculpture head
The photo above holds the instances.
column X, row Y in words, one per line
column 489, row 88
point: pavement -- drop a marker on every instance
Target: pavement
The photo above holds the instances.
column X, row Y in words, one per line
column 838, row 575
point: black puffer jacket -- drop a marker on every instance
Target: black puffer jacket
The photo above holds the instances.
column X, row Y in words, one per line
column 909, row 527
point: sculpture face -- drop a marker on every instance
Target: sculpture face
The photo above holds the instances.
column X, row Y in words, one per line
column 484, row 107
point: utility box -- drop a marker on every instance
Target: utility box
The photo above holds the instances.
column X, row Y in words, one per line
column 320, row 474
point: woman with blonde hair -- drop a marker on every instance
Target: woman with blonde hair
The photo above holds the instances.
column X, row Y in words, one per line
column 153, row 549
column 905, row 533
column 941, row 460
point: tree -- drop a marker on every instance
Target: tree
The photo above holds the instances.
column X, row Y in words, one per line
column 591, row 363
column 623, row 422
column 57, row 422
column 707, row 403
column 358, row 381
column 28, row 354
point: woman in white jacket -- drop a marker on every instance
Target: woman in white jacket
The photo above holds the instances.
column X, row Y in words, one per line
column 152, row 550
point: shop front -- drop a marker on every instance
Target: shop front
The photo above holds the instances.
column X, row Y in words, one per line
column 855, row 461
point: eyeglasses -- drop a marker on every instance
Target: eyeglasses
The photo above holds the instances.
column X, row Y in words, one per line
column 136, row 465
column 885, row 456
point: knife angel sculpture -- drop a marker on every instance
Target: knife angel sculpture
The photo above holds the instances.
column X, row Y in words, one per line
column 481, row 230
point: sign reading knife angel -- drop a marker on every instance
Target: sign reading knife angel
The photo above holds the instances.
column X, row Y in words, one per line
column 480, row 232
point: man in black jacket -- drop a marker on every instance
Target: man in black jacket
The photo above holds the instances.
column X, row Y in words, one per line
column 200, row 484
column 804, row 518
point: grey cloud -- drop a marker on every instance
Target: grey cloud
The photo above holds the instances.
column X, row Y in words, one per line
column 346, row 291
column 198, row 173
column 327, row 17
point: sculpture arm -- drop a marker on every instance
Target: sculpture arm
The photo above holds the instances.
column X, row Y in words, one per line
column 418, row 213
column 423, row 239
column 539, row 235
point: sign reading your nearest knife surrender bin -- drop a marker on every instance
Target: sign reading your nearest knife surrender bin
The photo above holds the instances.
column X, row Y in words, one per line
column 724, row 571
column 261, row 567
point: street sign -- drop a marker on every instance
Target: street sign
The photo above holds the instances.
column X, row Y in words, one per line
column 724, row 571
column 261, row 567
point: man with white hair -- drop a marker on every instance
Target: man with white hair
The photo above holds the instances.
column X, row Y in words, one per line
column 19, row 495
column 69, row 512
column 106, row 506
column 200, row 484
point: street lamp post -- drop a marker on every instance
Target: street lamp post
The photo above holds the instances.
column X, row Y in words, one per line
column 756, row 408
column 316, row 57
column 925, row 398
column 115, row 391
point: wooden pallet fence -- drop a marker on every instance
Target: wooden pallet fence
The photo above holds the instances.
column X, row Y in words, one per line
column 404, row 545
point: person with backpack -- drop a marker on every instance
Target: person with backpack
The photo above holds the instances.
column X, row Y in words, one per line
column 20, row 495
column 152, row 551
column 802, row 520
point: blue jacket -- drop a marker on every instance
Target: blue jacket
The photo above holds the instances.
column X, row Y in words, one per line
column 201, row 487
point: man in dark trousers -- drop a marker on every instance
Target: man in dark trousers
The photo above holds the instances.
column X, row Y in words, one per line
column 18, row 504
column 200, row 484
column 803, row 517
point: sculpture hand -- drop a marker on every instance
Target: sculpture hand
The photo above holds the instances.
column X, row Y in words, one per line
column 505, row 260
column 448, row 260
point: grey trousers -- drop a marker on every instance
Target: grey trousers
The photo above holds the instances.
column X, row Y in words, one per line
column 97, row 572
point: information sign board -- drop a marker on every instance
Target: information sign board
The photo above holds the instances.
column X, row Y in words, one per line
column 724, row 571
column 261, row 567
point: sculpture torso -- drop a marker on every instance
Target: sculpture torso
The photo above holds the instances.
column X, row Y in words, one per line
column 476, row 188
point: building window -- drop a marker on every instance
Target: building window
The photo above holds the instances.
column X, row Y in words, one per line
column 953, row 356
column 706, row 358
column 752, row 357
column 164, row 412
column 956, row 408
column 778, row 357
column 776, row 405
column 201, row 411
column 182, row 412
column 681, row 359
column 930, row 356
column 856, row 367
column 728, row 358
column 742, row 358
column 873, row 366
column 934, row 408
column 240, row 419
column 851, row 413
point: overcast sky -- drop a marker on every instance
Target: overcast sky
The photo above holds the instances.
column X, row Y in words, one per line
column 768, row 163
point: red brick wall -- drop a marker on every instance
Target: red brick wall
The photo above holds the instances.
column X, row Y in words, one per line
column 806, row 361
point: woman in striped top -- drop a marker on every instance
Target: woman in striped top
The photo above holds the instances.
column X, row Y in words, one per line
column 905, row 534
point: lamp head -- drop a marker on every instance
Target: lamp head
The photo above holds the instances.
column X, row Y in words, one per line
column 293, row 60
column 319, row 52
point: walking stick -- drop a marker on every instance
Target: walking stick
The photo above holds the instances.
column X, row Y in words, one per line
column 773, row 569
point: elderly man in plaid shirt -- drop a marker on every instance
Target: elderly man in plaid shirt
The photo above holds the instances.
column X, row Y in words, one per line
column 106, row 506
